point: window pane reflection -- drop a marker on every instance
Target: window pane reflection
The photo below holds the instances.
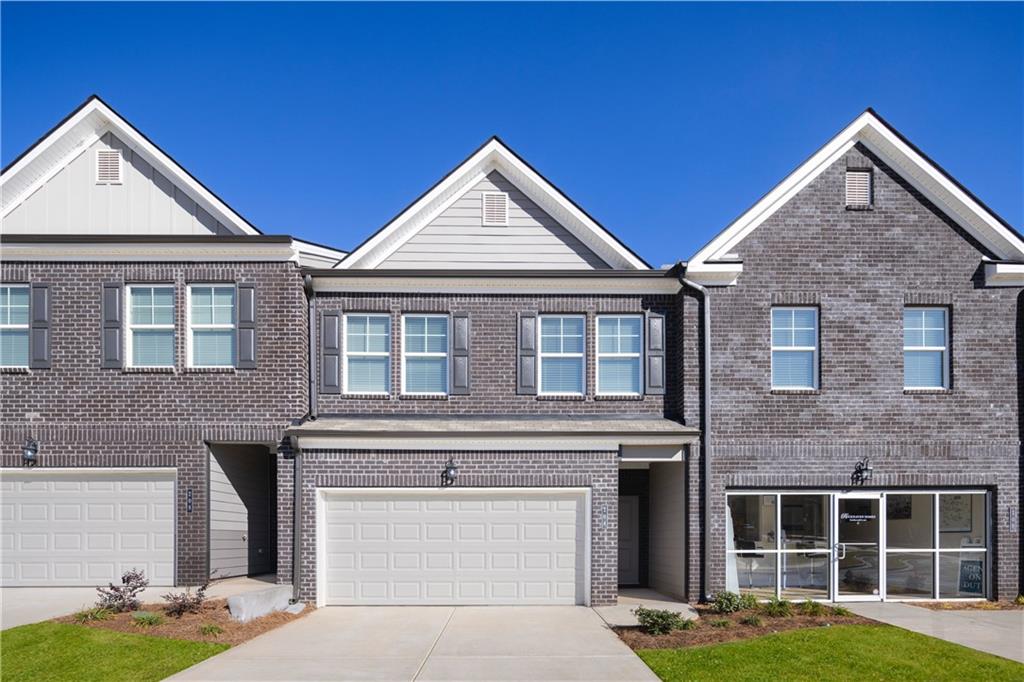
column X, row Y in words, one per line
column 961, row 520
column 754, row 573
column 753, row 522
column 805, row 575
column 909, row 575
column 910, row 521
column 805, row 522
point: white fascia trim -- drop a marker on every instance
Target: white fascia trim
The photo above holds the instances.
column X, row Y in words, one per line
column 1004, row 274
column 65, row 471
column 492, row 156
column 466, row 443
column 526, row 284
column 155, row 252
column 317, row 250
column 869, row 130
column 139, row 144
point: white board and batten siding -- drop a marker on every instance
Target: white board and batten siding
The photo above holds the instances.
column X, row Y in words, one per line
column 85, row 527
column 458, row 237
column 144, row 202
column 453, row 547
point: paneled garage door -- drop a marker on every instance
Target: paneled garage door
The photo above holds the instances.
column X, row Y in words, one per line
column 85, row 527
column 465, row 546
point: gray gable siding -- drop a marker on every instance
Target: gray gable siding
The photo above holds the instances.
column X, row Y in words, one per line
column 146, row 203
column 457, row 238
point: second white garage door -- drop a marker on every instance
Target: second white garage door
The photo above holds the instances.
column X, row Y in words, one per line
column 464, row 546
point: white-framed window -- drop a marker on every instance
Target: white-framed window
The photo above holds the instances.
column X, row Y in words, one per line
column 425, row 354
column 14, row 305
column 149, row 328
column 794, row 348
column 925, row 348
column 211, row 325
column 560, row 359
column 367, row 351
column 495, row 208
column 619, row 346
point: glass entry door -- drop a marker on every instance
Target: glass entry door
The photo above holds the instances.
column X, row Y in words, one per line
column 856, row 553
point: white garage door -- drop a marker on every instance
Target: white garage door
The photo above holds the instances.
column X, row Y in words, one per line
column 85, row 527
column 466, row 546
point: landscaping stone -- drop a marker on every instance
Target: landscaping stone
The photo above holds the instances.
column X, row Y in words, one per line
column 297, row 607
column 245, row 607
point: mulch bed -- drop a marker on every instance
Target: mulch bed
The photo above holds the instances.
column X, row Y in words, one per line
column 215, row 612
column 968, row 605
column 705, row 633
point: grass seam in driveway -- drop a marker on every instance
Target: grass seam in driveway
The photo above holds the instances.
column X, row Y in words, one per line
column 61, row 651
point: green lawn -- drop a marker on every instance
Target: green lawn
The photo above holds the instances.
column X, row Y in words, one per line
column 845, row 652
column 58, row 651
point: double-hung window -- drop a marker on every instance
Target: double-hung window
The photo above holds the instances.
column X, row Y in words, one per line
column 211, row 333
column 618, row 354
column 561, row 355
column 925, row 348
column 425, row 354
column 367, row 353
column 150, row 316
column 794, row 348
column 14, row 325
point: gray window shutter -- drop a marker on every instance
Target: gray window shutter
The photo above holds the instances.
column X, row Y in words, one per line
column 245, row 328
column 460, row 354
column 39, row 332
column 330, row 352
column 526, row 355
column 113, row 312
column 654, row 356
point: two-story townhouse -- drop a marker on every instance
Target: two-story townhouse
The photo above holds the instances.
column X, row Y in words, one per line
column 865, row 385
column 152, row 353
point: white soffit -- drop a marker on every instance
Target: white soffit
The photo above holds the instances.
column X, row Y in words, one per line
column 493, row 155
column 78, row 132
column 716, row 264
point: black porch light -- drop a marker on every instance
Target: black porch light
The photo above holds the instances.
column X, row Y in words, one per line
column 449, row 473
column 862, row 471
column 29, row 451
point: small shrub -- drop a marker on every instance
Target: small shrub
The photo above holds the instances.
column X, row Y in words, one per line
column 94, row 614
column 777, row 608
column 688, row 624
column 721, row 623
column 146, row 619
column 124, row 597
column 727, row 602
column 812, row 608
column 747, row 602
column 1019, row 601
column 180, row 603
column 752, row 620
column 658, row 621
column 210, row 629
column 841, row 611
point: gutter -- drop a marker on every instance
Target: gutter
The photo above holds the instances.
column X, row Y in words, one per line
column 705, row 459
column 307, row 284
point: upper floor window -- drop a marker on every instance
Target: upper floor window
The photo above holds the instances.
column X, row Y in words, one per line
column 560, row 359
column 795, row 348
column 618, row 354
column 367, row 353
column 425, row 354
column 14, row 325
column 925, row 348
column 211, row 318
column 150, row 337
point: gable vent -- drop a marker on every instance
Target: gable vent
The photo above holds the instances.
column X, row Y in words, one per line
column 108, row 167
column 495, row 208
column 858, row 188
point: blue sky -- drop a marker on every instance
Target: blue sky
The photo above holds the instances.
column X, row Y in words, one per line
column 664, row 121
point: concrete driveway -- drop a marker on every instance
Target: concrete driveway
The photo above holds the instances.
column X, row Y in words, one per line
column 432, row 643
column 24, row 605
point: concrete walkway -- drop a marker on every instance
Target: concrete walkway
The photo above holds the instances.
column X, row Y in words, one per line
column 24, row 605
column 432, row 643
column 995, row 632
column 621, row 615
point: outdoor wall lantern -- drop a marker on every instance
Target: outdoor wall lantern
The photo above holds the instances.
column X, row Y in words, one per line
column 862, row 471
column 449, row 473
column 28, row 452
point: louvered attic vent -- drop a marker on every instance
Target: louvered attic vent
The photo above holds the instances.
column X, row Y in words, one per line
column 858, row 188
column 108, row 167
column 495, row 208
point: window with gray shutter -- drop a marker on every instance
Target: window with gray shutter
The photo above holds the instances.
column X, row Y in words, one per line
column 246, row 327
column 460, row 354
column 111, row 325
column 39, row 333
column 330, row 352
column 526, row 355
column 655, row 354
